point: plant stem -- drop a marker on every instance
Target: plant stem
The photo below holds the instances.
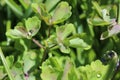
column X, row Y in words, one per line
column 14, row 7
column 44, row 56
column 37, row 43
column 118, row 13
column 6, row 65
column 41, row 46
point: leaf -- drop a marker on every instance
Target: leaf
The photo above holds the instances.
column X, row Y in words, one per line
column 50, row 4
column 22, row 44
column 57, row 68
column 10, row 60
column 43, row 13
column 64, row 48
column 29, row 60
column 15, row 34
column 97, row 8
column 95, row 71
column 62, row 12
column 114, row 30
column 82, row 38
column 65, row 30
column 62, row 33
column 100, row 22
column 77, row 42
column 105, row 15
column 51, row 68
column 32, row 25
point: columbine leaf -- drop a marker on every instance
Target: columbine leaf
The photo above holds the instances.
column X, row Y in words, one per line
column 61, row 13
column 32, row 25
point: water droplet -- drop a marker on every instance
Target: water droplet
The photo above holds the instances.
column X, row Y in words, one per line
column 98, row 75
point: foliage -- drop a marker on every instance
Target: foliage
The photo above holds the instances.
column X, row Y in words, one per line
column 59, row 40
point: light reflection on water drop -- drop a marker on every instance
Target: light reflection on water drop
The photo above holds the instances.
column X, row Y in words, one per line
column 98, row 75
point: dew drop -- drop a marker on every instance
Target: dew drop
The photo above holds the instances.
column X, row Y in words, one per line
column 98, row 75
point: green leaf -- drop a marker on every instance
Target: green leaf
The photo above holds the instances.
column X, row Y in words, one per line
column 100, row 22
column 64, row 48
column 62, row 12
column 95, row 71
column 43, row 13
column 62, row 33
column 97, row 8
column 2, row 72
column 22, row 44
column 15, row 34
column 114, row 30
column 50, row 4
column 58, row 68
column 32, row 25
column 29, row 60
column 10, row 60
column 51, row 68
column 77, row 42
column 82, row 40
column 65, row 30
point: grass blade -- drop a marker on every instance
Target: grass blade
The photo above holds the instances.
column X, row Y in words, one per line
column 6, row 65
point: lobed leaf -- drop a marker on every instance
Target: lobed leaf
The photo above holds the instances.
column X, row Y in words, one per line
column 32, row 25
column 62, row 12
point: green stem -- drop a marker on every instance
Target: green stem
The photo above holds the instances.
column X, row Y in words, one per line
column 6, row 65
column 118, row 13
column 37, row 43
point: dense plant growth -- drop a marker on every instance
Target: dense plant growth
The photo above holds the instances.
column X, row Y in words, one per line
column 59, row 39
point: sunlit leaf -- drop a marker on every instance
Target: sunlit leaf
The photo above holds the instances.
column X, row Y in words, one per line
column 97, row 8
column 114, row 30
column 56, row 68
column 61, row 13
column 32, row 25
column 65, row 30
column 43, row 13
column 99, row 22
column 95, row 71
column 16, row 34
column 77, row 42
column 50, row 4
column 62, row 33
column 29, row 60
